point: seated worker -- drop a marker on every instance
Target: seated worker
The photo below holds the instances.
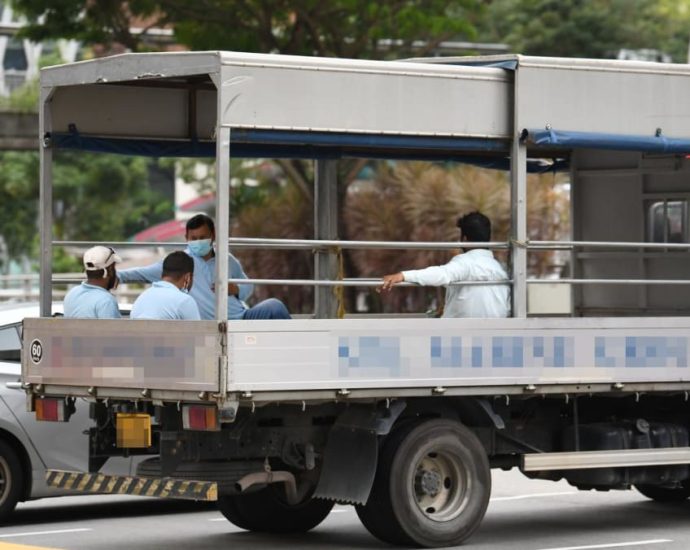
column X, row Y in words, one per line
column 92, row 299
column 169, row 298
column 476, row 264
column 200, row 233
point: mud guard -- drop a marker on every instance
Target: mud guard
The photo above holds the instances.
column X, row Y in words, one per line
column 351, row 455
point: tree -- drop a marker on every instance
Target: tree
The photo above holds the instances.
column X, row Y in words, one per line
column 344, row 28
column 589, row 28
column 96, row 197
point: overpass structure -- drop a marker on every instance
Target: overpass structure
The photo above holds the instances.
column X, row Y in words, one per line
column 18, row 132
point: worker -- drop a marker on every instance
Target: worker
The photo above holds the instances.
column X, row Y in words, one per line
column 169, row 298
column 475, row 264
column 200, row 234
column 92, row 299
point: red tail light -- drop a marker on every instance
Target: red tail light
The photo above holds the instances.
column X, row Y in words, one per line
column 200, row 418
column 51, row 410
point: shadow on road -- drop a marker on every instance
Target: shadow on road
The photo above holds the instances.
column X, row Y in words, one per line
column 100, row 510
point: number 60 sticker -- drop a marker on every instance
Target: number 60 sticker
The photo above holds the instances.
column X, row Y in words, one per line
column 36, row 351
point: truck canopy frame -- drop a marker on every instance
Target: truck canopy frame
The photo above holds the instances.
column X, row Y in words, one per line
column 496, row 111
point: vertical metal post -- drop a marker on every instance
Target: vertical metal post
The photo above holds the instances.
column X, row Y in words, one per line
column 518, row 194
column 326, row 228
column 46, row 202
column 222, row 220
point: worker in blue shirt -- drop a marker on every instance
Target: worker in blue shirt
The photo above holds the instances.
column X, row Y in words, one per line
column 169, row 298
column 92, row 299
column 200, row 234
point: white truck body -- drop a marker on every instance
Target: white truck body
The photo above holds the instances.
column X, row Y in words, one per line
column 343, row 405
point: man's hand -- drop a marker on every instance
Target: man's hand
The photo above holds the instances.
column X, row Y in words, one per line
column 389, row 281
column 233, row 289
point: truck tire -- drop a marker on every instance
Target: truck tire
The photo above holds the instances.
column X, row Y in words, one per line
column 432, row 486
column 665, row 494
column 265, row 511
column 11, row 480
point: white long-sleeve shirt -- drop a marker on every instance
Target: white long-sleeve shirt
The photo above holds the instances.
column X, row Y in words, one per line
column 471, row 300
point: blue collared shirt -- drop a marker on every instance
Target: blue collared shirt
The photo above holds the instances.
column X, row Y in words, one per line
column 165, row 301
column 90, row 302
column 202, row 289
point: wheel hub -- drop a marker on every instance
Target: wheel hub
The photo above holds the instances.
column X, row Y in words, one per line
column 429, row 482
column 440, row 486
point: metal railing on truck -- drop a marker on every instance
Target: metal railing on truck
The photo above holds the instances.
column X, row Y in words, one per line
column 335, row 246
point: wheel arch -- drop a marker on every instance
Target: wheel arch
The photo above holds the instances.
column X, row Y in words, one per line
column 14, row 442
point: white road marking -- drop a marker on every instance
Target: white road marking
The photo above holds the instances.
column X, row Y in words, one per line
column 34, row 533
column 218, row 519
column 534, row 495
column 612, row 545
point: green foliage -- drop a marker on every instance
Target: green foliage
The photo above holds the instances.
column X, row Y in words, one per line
column 589, row 28
column 96, row 197
column 345, row 28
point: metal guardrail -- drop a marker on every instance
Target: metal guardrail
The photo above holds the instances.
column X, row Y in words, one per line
column 317, row 245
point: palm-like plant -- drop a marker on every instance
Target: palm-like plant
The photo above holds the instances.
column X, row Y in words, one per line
column 405, row 201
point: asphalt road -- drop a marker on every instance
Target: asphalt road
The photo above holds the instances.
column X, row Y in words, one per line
column 523, row 514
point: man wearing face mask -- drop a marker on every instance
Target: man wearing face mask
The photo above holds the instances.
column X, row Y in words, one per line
column 200, row 234
column 169, row 298
column 92, row 299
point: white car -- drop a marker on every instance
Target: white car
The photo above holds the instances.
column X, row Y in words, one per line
column 29, row 447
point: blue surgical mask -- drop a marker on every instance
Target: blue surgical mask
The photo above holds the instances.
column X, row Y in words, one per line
column 200, row 248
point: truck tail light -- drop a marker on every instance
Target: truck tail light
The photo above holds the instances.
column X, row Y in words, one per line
column 51, row 410
column 200, row 418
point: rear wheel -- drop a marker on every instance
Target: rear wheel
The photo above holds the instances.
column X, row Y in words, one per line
column 11, row 480
column 665, row 494
column 266, row 511
column 432, row 486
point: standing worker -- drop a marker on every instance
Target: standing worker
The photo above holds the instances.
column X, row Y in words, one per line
column 92, row 299
column 475, row 264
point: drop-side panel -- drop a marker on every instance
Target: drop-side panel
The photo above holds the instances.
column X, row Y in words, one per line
column 408, row 353
column 163, row 355
column 612, row 97
column 365, row 97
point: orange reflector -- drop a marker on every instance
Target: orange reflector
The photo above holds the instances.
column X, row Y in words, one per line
column 200, row 418
column 133, row 431
column 50, row 410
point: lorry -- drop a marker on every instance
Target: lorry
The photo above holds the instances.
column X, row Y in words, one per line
column 404, row 418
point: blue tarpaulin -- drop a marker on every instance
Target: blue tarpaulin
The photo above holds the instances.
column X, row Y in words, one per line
column 485, row 152
column 585, row 140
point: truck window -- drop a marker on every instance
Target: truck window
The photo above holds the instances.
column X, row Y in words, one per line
column 667, row 221
column 10, row 345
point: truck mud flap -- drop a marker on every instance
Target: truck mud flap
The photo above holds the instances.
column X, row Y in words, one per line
column 351, row 455
column 130, row 485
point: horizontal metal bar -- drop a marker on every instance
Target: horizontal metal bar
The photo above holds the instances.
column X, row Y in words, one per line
column 610, row 281
column 604, row 459
column 300, row 244
column 307, row 244
column 352, row 282
column 606, row 244
column 251, row 393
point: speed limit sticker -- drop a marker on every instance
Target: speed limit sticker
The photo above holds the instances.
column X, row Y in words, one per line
column 36, row 351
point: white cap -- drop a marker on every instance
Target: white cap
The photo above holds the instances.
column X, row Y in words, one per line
column 100, row 257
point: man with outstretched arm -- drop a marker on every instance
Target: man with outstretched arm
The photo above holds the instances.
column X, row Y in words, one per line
column 475, row 264
column 200, row 234
column 92, row 299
